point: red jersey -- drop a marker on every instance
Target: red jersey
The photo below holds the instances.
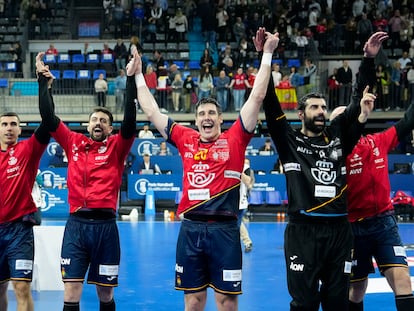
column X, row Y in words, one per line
column 18, row 167
column 239, row 83
column 367, row 175
column 94, row 168
column 212, row 171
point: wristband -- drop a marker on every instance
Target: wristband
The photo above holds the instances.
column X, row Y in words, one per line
column 267, row 58
column 139, row 80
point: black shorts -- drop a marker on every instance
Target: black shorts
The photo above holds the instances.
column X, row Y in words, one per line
column 379, row 238
column 92, row 244
column 16, row 251
column 318, row 264
column 209, row 254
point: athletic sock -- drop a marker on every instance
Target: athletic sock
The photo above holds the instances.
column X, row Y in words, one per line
column 71, row 306
column 107, row 306
column 356, row 306
column 404, row 302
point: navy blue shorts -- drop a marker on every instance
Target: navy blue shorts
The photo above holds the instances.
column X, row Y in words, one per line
column 16, row 251
column 92, row 244
column 209, row 254
column 379, row 238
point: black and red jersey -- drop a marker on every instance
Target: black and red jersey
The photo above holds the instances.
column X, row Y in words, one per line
column 212, row 170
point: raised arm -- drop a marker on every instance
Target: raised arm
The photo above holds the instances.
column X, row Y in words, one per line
column 46, row 105
column 128, row 126
column 146, row 100
column 250, row 110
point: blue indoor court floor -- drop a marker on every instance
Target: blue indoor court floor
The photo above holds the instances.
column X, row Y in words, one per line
column 146, row 279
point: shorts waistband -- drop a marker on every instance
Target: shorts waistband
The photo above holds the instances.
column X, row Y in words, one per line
column 331, row 220
column 383, row 214
column 209, row 218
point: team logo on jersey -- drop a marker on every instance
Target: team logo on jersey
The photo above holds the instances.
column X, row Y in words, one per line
column 324, row 173
column 102, row 149
column 12, row 161
column 199, row 178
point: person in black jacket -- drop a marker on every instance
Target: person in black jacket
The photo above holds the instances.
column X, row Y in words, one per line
column 313, row 158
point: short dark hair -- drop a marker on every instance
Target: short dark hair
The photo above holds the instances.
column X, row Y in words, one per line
column 302, row 101
column 208, row 100
column 105, row 111
column 10, row 114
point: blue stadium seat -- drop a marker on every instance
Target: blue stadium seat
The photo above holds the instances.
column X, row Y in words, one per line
column 84, row 74
column 97, row 72
column 107, row 58
column 49, row 59
column 56, row 74
column 273, row 198
column 193, row 65
column 277, row 61
column 92, row 61
column 293, row 62
column 69, row 74
column 180, row 64
column 10, row 67
column 63, row 61
column 78, row 61
column 256, row 197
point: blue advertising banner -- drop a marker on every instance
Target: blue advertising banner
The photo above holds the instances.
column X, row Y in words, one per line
column 164, row 186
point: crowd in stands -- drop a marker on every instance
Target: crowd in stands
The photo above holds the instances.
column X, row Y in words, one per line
column 307, row 27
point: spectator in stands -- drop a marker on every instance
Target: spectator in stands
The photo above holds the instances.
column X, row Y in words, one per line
column 59, row 158
column 350, row 35
column 87, row 48
column 45, row 16
column 205, row 83
column 138, row 16
column 181, row 25
column 206, row 60
column 364, row 29
column 171, row 34
column 276, row 74
column 395, row 24
column 151, row 79
column 177, row 91
column 301, row 43
column 127, row 23
column 145, row 132
column 227, row 60
column 206, row 12
column 164, row 149
column 154, row 16
column 173, row 71
column 16, row 52
column 295, row 78
column 163, row 87
column 267, row 148
column 52, row 50
column 120, row 89
column 106, row 49
column 117, row 18
column 101, row 87
column 221, row 19
column 396, row 77
column 190, row 7
column 344, row 77
column 309, row 76
column 245, row 53
column 189, row 92
column 333, row 90
column 382, row 87
column 239, row 29
column 148, row 167
column 32, row 14
column 120, row 54
column 239, row 84
column 159, row 62
column 222, row 90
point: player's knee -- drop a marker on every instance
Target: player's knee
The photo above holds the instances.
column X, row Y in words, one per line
column 22, row 290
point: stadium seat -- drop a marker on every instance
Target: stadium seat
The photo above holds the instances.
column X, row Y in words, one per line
column 193, row 65
column 63, row 61
column 273, row 198
column 10, row 67
column 50, row 59
column 293, row 62
column 97, row 72
column 92, row 61
column 180, row 64
column 78, row 61
column 56, row 74
column 84, row 74
column 256, row 197
column 107, row 63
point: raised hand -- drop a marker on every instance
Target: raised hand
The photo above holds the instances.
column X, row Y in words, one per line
column 259, row 39
column 373, row 45
column 271, row 43
column 367, row 102
column 135, row 64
